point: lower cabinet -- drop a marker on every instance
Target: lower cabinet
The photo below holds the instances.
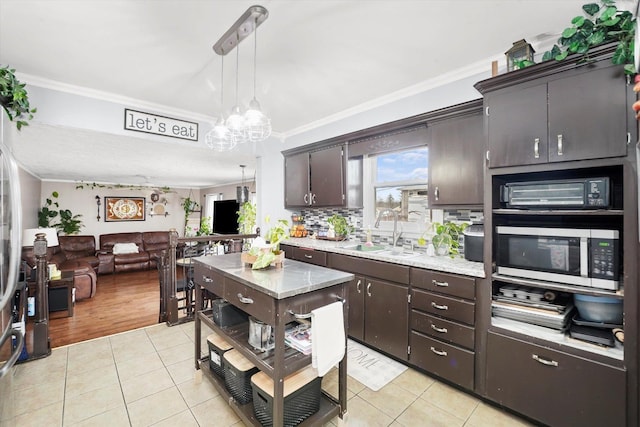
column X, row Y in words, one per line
column 445, row 360
column 553, row 387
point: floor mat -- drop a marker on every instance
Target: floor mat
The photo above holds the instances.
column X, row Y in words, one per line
column 370, row 367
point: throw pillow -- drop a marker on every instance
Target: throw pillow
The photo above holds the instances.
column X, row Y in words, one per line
column 125, row 248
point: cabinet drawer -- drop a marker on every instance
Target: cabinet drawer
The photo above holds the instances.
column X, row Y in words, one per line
column 443, row 329
column 553, row 387
column 209, row 279
column 310, row 255
column 445, row 360
column 254, row 303
column 377, row 269
column 440, row 305
column 457, row 286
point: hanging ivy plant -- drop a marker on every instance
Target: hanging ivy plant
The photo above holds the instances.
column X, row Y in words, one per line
column 14, row 99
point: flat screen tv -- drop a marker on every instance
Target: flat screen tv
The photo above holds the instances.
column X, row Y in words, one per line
column 225, row 216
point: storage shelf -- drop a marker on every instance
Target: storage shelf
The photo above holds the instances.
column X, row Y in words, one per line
column 591, row 212
column 329, row 408
column 559, row 286
column 562, row 340
column 238, row 337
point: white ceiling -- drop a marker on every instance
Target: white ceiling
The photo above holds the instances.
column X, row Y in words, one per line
column 316, row 59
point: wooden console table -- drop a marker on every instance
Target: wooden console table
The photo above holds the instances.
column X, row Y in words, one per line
column 274, row 296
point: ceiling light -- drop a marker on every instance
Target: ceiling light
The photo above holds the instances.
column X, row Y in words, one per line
column 254, row 125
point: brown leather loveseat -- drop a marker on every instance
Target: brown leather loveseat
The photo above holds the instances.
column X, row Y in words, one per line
column 131, row 251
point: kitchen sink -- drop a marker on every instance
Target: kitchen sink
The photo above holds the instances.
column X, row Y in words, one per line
column 364, row 248
column 399, row 254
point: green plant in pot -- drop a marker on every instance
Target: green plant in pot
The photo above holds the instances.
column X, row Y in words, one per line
column 277, row 233
column 446, row 238
column 68, row 222
column 14, row 98
column 340, row 225
column 247, row 218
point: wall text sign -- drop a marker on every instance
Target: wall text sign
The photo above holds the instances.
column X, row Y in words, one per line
column 160, row 125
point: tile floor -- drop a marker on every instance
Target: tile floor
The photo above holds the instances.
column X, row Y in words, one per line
column 146, row 377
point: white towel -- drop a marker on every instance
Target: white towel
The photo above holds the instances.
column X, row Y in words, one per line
column 328, row 341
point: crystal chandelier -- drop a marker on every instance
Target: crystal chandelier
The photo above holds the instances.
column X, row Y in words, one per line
column 254, row 125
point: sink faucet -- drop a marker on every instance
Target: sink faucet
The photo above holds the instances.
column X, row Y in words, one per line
column 395, row 236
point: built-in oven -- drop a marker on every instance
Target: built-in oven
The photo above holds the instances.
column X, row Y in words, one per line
column 583, row 257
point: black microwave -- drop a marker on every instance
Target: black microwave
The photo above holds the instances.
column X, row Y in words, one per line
column 583, row 257
column 585, row 193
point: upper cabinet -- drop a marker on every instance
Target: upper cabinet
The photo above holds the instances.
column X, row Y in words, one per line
column 456, row 157
column 321, row 178
column 554, row 112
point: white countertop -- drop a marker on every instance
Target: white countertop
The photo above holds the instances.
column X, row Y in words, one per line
column 456, row 265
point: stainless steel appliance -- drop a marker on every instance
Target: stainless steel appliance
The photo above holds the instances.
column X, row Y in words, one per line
column 583, row 257
column 11, row 339
column 260, row 335
column 587, row 193
column 474, row 242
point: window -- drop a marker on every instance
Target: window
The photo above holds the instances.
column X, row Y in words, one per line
column 396, row 184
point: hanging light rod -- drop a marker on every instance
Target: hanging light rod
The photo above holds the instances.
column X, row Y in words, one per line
column 243, row 27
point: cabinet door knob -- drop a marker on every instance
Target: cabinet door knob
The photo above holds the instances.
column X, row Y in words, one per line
column 544, row 361
column 438, row 352
column 358, row 286
column 245, row 300
column 560, row 148
column 313, row 199
column 536, row 148
column 306, row 199
column 439, row 307
column 369, row 289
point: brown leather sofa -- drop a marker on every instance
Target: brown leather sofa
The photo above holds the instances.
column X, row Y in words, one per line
column 149, row 243
column 82, row 262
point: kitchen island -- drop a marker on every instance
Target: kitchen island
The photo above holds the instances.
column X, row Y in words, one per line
column 275, row 296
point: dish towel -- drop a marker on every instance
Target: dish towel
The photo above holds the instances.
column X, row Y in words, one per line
column 328, row 341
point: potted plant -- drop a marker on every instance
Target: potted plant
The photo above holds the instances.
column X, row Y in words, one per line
column 189, row 207
column 68, row 222
column 602, row 23
column 47, row 213
column 340, row 226
column 446, row 238
column 247, row 218
column 14, row 99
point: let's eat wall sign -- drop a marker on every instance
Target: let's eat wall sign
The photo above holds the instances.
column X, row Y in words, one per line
column 159, row 125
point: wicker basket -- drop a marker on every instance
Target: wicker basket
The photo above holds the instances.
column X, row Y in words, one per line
column 246, row 258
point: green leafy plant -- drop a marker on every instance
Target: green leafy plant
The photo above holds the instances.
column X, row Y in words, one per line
column 602, row 23
column 277, row 233
column 247, row 218
column 446, row 237
column 189, row 207
column 14, row 98
column 68, row 222
column 204, row 229
column 340, row 225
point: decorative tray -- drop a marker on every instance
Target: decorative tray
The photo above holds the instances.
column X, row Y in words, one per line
column 335, row 239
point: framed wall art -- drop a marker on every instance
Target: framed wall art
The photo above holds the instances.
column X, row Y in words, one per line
column 124, row 209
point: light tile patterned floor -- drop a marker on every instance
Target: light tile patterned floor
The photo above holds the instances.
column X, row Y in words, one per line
column 146, row 377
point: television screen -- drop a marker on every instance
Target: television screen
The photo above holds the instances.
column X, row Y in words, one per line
column 225, row 216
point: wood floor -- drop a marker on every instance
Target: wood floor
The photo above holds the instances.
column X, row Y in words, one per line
column 122, row 302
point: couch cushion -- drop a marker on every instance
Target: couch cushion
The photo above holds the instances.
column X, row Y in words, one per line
column 155, row 240
column 141, row 257
column 108, row 240
column 77, row 246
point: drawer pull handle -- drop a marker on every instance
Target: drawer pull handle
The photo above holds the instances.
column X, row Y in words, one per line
column 245, row 300
column 439, row 352
column 308, row 256
column 560, row 146
column 207, row 279
column 358, row 286
column 437, row 329
column 544, row 361
column 441, row 284
column 439, row 307
column 536, row 148
column 369, row 289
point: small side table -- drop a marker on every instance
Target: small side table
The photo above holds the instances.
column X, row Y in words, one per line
column 57, row 286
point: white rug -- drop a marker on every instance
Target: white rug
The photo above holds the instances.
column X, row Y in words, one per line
column 370, row 367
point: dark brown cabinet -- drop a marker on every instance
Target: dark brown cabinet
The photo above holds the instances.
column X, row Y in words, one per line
column 553, row 387
column 442, row 339
column 578, row 114
column 315, row 178
column 456, row 158
column 378, row 303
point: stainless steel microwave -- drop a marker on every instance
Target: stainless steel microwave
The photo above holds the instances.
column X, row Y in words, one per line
column 584, row 257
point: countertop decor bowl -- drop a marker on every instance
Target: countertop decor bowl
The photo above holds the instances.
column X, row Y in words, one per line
column 599, row 309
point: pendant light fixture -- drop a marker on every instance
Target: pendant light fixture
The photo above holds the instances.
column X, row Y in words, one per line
column 254, row 126
column 258, row 125
column 242, row 192
column 235, row 121
column 218, row 138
